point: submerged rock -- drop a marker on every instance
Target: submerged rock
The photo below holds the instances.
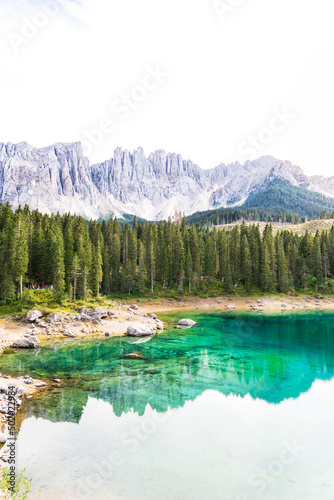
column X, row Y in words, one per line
column 160, row 325
column 187, row 322
column 26, row 343
column 140, row 331
column 135, row 355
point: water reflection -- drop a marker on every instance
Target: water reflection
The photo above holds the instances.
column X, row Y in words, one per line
column 270, row 358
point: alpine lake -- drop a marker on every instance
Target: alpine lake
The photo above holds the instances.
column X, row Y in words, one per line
column 239, row 407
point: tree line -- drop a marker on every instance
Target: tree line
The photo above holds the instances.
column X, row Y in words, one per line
column 81, row 259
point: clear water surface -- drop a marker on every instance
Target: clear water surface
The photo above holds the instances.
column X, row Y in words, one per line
column 239, row 407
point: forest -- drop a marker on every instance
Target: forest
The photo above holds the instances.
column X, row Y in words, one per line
column 278, row 202
column 81, row 259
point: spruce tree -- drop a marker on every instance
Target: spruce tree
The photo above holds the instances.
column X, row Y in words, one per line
column 76, row 271
column 19, row 250
column 282, row 269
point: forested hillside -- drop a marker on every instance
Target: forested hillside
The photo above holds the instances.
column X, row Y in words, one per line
column 222, row 216
column 281, row 196
column 80, row 259
column 279, row 201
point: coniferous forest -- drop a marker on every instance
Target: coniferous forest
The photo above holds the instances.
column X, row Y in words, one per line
column 80, row 259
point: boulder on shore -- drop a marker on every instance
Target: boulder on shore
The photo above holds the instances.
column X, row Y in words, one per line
column 91, row 314
column 33, row 315
column 187, row 322
column 140, row 331
column 52, row 318
column 26, row 343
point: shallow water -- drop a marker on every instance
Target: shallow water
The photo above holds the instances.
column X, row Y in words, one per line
column 239, row 407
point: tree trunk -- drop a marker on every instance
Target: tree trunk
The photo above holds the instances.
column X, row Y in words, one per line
column 21, row 287
column 74, row 288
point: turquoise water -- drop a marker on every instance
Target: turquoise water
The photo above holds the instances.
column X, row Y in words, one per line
column 239, row 407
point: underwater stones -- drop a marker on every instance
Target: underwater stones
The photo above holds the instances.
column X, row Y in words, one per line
column 40, row 384
column 160, row 325
column 186, row 322
column 135, row 355
column 140, row 330
column 26, row 343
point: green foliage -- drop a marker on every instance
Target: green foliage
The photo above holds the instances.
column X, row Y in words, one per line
column 22, row 486
column 81, row 259
column 279, row 201
column 281, row 196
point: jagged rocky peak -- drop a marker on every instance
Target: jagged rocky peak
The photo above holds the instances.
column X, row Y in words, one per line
column 60, row 178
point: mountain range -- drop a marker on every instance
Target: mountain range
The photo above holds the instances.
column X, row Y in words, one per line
column 60, row 178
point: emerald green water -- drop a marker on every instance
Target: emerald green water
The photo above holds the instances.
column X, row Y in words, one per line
column 210, row 413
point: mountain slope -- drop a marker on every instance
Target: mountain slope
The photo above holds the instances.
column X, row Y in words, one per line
column 60, row 178
column 280, row 196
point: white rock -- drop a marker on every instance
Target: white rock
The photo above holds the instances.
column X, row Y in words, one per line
column 33, row 315
column 140, row 330
column 186, row 322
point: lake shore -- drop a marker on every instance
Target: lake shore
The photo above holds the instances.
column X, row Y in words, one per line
column 135, row 312
column 125, row 313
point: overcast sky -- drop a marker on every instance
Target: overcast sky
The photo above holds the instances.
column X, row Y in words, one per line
column 216, row 81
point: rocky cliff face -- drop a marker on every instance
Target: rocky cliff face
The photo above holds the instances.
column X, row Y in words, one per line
column 60, row 178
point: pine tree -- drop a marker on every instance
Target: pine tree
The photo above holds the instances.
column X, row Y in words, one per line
column 57, row 253
column 76, row 271
column 317, row 259
column 7, row 287
column 141, row 280
column 246, row 264
column 97, row 272
column 266, row 274
column 282, row 269
column 19, row 250
column 325, row 261
column 189, row 268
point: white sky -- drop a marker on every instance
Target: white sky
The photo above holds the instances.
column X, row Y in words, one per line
column 228, row 77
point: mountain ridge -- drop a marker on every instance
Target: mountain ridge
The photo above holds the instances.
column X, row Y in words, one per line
column 60, row 178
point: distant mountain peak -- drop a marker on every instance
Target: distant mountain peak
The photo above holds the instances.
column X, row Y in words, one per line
column 60, row 178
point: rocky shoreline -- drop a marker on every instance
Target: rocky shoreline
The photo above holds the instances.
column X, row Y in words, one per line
column 121, row 318
column 38, row 327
